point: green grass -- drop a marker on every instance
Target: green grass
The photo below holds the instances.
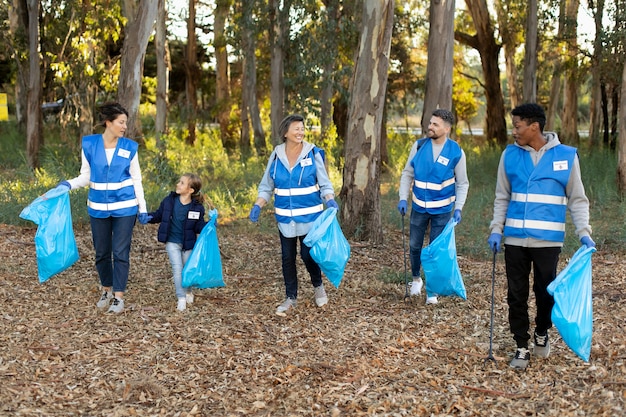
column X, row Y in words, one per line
column 230, row 183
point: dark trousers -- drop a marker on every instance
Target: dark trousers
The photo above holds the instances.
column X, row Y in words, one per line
column 288, row 247
column 519, row 261
column 111, row 241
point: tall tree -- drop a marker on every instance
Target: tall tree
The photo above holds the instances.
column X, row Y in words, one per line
column 569, row 128
column 509, row 13
column 557, row 73
column 141, row 17
column 34, row 139
column 485, row 43
column 438, row 91
column 191, row 74
column 222, row 80
column 621, row 164
column 595, row 108
column 279, row 35
column 18, row 24
column 530, row 54
column 163, row 70
column 360, row 194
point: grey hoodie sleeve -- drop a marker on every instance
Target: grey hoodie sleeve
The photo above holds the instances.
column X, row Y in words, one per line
column 503, row 197
column 408, row 175
column 577, row 201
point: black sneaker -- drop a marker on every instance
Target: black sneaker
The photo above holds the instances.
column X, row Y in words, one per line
column 542, row 345
column 521, row 359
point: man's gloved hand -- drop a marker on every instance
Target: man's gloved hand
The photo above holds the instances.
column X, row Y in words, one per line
column 494, row 242
column 64, row 184
column 402, row 207
column 587, row 241
column 255, row 212
column 457, row 216
column 332, row 204
column 144, row 218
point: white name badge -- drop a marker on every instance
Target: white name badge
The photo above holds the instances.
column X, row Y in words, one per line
column 193, row 215
column 306, row 162
column 559, row 165
column 124, row 153
column 443, row 160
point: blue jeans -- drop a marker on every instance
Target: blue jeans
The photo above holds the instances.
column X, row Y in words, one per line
column 111, row 240
column 178, row 258
column 419, row 224
column 288, row 246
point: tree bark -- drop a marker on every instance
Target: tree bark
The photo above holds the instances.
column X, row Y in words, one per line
column 222, row 82
column 137, row 33
column 555, row 84
column 333, row 15
column 506, row 11
column 279, row 33
column 595, row 107
column 621, row 155
column 484, row 42
column 163, row 71
column 360, row 211
column 438, row 89
column 529, row 90
column 18, row 25
column 34, row 138
column 569, row 127
column 191, row 74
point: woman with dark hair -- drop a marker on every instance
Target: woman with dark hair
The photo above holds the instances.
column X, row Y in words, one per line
column 110, row 167
column 297, row 177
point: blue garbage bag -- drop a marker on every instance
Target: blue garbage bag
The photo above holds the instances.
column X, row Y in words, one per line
column 443, row 276
column 329, row 247
column 203, row 268
column 572, row 313
column 55, row 244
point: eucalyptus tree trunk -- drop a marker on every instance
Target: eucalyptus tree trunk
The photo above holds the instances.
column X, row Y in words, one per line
column 163, row 71
column 137, row 33
column 18, row 24
column 333, row 14
column 529, row 90
column 222, row 83
column 595, row 107
column 621, row 158
column 191, row 74
column 360, row 194
column 506, row 11
column 279, row 35
column 438, row 89
column 555, row 83
column 569, row 127
column 34, row 139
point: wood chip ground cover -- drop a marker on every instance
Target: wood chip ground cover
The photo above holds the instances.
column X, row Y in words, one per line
column 366, row 353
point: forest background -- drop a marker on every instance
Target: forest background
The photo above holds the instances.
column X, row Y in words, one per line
column 206, row 84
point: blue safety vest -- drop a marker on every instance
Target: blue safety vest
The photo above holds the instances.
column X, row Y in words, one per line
column 434, row 183
column 111, row 190
column 538, row 203
column 297, row 194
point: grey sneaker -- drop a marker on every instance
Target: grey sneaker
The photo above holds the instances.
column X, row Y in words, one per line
column 117, row 306
column 287, row 305
column 320, row 296
column 521, row 359
column 542, row 345
column 105, row 300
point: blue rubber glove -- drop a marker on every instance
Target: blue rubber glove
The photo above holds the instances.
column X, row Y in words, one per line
column 144, row 218
column 494, row 241
column 255, row 212
column 64, row 184
column 587, row 241
column 402, row 207
column 457, row 216
column 332, row 204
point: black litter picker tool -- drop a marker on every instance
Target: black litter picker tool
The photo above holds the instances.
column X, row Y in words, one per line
column 490, row 356
column 407, row 297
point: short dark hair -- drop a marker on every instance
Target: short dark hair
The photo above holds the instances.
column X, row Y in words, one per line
column 110, row 111
column 531, row 112
column 445, row 115
column 286, row 122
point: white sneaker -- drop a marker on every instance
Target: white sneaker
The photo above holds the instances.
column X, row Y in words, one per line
column 117, row 306
column 189, row 297
column 104, row 300
column 182, row 304
column 431, row 300
column 288, row 304
column 416, row 286
column 320, row 296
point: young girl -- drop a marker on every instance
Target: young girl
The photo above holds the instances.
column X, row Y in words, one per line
column 181, row 218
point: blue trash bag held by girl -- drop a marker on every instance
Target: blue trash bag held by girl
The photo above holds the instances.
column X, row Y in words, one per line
column 572, row 313
column 329, row 247
column 203, row 269
column 443, row 276
column 55, row 244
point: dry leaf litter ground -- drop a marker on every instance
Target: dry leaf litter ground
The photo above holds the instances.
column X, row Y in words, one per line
column 368, row 352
